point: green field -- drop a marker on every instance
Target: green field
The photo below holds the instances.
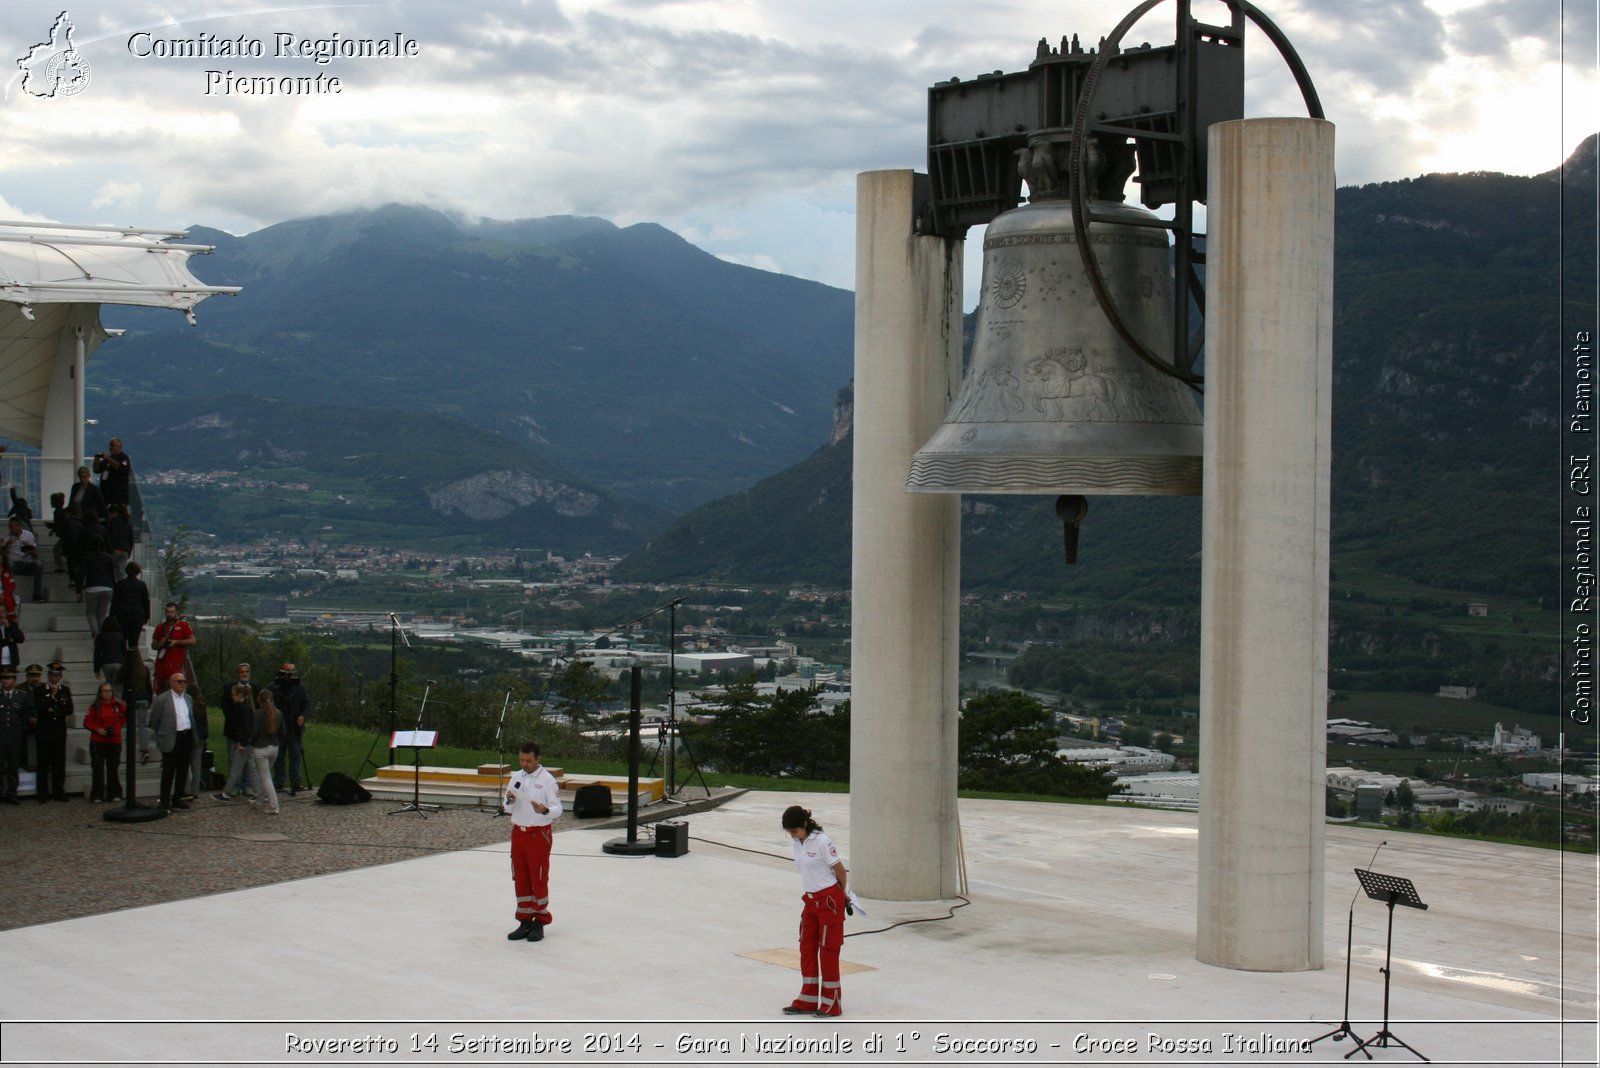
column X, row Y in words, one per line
column 1427, row 714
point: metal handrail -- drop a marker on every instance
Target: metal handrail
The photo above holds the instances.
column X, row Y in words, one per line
column 23, row 472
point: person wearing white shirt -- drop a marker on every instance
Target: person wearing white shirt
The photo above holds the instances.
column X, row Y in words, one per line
column 172, row 722
column 533, row 801
column 822, row 885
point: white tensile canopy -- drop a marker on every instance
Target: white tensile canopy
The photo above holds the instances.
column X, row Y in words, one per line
column 53, row 279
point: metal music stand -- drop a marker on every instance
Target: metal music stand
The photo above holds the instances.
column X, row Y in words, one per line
column 417, row 741
column 1392, row 890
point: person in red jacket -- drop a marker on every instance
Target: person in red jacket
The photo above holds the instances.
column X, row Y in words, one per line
column 104, row 722
column 171, row 642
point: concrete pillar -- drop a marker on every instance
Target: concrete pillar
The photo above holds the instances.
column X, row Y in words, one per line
column 1264, row 575
column 61, row 450
column 905, row 554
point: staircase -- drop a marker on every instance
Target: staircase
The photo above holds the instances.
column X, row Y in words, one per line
column 58, row 629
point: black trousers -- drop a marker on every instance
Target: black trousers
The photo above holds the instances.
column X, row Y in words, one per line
column 106, row 784
column 131, row 626
column 52, row 760
column 175, row 768
column 10, row 764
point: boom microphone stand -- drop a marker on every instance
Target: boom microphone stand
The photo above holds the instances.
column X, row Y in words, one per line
column 394, row 679
column 1338, row 1033
column 395, row 630
column 500, row 744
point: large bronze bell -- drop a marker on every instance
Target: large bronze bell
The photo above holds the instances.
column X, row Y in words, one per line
column 1054, row 401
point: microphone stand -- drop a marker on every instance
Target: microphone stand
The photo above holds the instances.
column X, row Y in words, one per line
column 394, row 677
column 1338, row 1033
column 500, row 744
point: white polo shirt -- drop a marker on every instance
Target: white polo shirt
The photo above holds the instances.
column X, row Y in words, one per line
column 526, row 787
column 816, row 855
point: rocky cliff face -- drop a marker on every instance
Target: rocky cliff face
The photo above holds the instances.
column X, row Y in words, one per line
column 844, row 414
column 496, row 494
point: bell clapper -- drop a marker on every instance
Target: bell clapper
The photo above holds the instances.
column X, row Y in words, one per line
column 1071, row 508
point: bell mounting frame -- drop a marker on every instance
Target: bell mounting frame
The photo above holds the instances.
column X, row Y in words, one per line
column 1162, row 99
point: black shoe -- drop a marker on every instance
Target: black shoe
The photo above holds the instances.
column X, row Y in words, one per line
column 40, row 798
column 537, row 934
column 12, row 801
column 790, row 1010
column 60, row 797
column 524, row 929
column 180, row 803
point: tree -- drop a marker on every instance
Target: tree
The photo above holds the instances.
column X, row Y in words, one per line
column 1405, row 798
column 582, row 687
column 785, row 734
column 1008, row 742
column 1005, row 729
column 174, row 558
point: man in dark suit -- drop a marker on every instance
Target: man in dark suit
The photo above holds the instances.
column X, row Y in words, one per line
column 172, row 721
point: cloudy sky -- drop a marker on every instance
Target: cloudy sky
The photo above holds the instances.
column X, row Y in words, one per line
column 740, row 124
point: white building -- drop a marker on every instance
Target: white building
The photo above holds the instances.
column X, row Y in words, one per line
column 1561, row 783
column 1166, row 789
column 1356, row 732
column 1517, row 740
column 717, row 663
column 1123, row 760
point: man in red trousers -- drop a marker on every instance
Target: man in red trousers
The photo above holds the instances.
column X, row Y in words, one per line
column 534, row 801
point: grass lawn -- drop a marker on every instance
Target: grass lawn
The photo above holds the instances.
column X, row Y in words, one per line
column 1403, row 711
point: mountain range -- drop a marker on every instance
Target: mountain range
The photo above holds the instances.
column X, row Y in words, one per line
column 622, row 362
column 569, row 384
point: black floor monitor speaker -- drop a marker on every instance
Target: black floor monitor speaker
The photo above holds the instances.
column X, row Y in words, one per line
column 592, row 802
column 340, row 789
column 672, row 838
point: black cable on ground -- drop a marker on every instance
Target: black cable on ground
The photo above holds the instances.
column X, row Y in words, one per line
column 950, row 914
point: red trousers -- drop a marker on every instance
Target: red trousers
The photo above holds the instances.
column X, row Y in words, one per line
column 530, row 869
column 821, row 937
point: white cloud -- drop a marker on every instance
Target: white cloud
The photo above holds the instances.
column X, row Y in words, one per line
column 740, row 123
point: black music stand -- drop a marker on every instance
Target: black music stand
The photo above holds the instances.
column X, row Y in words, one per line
column 417, row 741
column 1392, row 890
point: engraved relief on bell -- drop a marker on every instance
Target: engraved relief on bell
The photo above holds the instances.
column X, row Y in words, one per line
column 1054, row 401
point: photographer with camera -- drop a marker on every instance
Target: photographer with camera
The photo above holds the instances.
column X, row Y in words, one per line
column 115, row 470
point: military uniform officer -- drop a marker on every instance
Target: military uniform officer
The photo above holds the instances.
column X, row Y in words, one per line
column 53, row 712
column 16, row 706
column 32, row 687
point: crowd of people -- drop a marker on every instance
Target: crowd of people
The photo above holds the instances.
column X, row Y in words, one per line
column 157, row 706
